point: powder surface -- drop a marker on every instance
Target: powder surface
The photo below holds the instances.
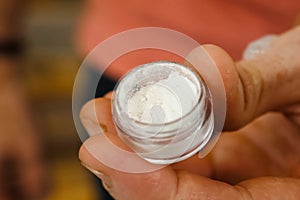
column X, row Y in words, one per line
column 164, row 101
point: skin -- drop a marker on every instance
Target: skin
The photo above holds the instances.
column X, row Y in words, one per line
column 256, row 157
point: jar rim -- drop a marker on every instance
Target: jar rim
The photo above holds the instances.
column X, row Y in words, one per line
column 202, row 95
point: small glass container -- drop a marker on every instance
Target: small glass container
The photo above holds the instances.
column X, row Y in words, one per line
column 163, row 111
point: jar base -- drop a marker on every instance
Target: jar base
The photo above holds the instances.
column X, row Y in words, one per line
column 200, row 148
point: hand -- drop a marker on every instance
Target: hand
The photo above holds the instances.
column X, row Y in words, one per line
column 258, row 159
column 21, row 167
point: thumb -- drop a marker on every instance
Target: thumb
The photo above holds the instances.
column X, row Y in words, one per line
column 267, row 83
column 163, row 184
column 170, row 184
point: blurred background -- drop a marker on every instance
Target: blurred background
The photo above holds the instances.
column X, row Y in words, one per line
column 46, row 73
column 50, row 66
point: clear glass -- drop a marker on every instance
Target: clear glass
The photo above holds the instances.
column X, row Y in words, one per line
column 163, row 111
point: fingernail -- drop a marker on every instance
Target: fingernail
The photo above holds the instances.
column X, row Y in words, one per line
column 91, row 127
column 258, row 47
column 106, row 181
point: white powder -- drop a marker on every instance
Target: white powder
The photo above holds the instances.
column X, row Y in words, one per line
column 163, row 101
column 156, row 94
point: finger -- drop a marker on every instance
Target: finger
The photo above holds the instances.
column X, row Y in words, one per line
column 247, row 154
column 270, row 188
column 257, row 150
column 170, row 184
column 96, row 116
column 109, row 95
column 132, row 186
column 109, row 148
column 227, row 164
column 256, row 86
column 161, row 184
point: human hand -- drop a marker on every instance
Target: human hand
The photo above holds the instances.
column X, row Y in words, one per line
column 258, row 159
column 21, row 167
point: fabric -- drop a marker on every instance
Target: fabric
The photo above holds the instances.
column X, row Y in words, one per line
column 230, row 24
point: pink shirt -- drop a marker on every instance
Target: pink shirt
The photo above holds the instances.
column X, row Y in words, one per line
column 230, row 24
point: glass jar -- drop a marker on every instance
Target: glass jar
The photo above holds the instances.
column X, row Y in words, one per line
column 163, row 111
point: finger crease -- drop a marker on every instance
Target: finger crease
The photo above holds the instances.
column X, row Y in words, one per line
column 244, row 192
column 244, row 97
column 175, row 194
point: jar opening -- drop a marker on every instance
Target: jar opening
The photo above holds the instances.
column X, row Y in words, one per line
column 159, row 93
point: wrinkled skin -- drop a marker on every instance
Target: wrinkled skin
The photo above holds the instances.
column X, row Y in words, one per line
column 257, row 156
